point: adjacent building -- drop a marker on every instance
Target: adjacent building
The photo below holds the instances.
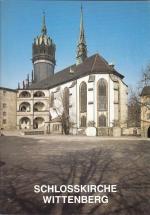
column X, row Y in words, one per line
column 8, row 104
column 145, row 112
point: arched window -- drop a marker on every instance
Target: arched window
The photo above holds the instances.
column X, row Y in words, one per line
column 24, row 107
column 24, row 94
column 102, row 94
column 39, row 94
column 102, row 121
column 83, row 97
column 83, row 121
column 66, row 100
column 39, row 106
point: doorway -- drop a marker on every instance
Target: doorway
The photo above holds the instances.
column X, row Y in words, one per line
column 148, row 132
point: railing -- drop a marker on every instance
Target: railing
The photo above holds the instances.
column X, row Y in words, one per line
column 33, row 132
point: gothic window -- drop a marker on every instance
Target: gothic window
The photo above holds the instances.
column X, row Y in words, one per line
column 39, row 94
column 66, row 100
column 83, row 97
column 83, row 121
column 102, row 121
column 102, row 94
column 25, row 94
column 52, row 99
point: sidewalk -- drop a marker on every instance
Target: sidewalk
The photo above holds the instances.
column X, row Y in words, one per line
column 72, row 137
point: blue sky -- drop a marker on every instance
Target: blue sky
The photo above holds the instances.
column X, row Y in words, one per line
column 119, row 31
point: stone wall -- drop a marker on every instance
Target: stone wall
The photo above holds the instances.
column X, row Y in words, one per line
column 133, row 131
column 105, row 131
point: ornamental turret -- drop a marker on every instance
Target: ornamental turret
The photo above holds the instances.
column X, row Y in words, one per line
column 81, row 47
column 43, row 55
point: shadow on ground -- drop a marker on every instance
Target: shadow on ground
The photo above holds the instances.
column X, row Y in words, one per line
column 23, row 166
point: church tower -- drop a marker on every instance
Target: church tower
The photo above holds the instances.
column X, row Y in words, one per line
column 43, row 55
column 81, row 47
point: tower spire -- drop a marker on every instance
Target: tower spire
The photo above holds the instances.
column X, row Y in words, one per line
column 43, row 55
column 44, row 29
column 81, row 35
column 81, row 47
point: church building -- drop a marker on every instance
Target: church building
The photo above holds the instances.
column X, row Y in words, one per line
column 89, row 93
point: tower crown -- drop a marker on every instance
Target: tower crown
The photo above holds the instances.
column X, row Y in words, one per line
column 43, row 38
column 43, row 54
column 81, row 47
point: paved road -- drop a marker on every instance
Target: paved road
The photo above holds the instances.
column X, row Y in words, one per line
column 30, row 160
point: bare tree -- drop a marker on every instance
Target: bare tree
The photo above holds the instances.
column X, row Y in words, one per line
column 134, row 101
column 61, row 108
column 134, row 108
column 145, row 80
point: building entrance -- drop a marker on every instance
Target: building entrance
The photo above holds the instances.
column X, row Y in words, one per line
column 148, row 132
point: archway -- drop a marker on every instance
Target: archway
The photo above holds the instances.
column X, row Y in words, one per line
column 148, row 132
column 24, row 123
column 38, row 122
column 39, row 106
column 24, row 94
column 24, row 107
column 39, row 94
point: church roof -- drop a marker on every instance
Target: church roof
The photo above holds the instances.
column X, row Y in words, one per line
column 8, row 89
column 146, row 91
column 94, row 64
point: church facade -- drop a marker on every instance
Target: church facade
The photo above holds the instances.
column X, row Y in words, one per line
column 90, row 93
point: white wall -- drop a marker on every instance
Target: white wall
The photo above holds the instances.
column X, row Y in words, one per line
column 113, row 110
column 123, row 104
